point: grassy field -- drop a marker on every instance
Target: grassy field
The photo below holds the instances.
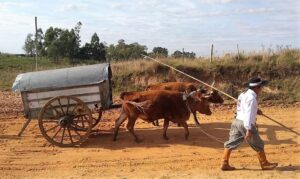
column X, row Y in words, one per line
column 281, row 68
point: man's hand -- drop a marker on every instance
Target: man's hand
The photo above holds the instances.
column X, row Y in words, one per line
column 248, row 135
column 259, row 112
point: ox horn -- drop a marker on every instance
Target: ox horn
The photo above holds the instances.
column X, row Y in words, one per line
column 213, row 83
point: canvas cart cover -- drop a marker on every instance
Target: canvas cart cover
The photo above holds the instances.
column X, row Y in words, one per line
column 66, row 77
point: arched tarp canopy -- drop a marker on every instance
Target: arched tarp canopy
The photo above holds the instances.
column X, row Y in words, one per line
column 65, row 77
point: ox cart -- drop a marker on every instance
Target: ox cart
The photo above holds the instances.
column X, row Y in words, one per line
column 67, row 102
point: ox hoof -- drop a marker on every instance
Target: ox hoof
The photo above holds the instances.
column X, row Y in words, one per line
column 114, row 139
column 166, row 138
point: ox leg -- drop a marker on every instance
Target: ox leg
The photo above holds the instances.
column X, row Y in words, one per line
column 166, row 125
column 130, row 128
column 187, row 133
column 197, row 123
column 155, row 123
column 118, row 123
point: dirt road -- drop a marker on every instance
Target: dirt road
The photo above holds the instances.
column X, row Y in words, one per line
column 31, row 156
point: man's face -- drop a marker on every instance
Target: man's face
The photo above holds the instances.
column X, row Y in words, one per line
column 259, row 89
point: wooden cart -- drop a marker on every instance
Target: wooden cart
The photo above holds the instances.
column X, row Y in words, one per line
column 67, row 102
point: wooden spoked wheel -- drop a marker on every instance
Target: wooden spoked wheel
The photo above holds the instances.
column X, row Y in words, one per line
column 96, row 117
column 61, row 119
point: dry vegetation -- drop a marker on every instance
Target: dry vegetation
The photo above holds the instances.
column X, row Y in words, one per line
column 281, row 67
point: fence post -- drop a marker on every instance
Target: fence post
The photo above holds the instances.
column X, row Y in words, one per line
column 211, row 53
column 238, row 52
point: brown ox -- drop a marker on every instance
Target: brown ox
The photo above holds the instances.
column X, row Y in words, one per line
column 152, row 105
column 186, row 87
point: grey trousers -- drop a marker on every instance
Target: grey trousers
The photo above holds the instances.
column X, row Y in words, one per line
column 237, row 136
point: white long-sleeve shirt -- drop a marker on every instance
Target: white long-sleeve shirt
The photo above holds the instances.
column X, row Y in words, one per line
column 247, row 108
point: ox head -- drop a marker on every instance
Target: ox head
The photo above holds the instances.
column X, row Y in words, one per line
column 199, row 101
column 214, row 96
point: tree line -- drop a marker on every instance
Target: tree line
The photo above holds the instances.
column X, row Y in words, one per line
column 57, row 43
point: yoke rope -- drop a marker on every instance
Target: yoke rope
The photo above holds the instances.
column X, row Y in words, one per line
column 210, row 136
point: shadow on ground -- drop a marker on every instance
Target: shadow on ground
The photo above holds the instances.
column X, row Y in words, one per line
column 152, row 137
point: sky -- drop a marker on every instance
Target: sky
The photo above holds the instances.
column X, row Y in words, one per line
column 173, row 24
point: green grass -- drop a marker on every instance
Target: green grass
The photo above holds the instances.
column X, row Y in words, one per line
column 11, row 66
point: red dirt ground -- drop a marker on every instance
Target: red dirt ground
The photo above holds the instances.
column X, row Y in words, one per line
column 31, row 156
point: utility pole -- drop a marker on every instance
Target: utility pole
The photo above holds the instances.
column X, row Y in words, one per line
column 36, row 50
column 211, row 52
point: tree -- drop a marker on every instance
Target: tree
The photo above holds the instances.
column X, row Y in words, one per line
column 40, row 42
column 60, row 43
column 51, row 42
column 29, row 47
column 75, row 40
column 179, row 54
column 191, row 55
column 64, row 43
column 111, row 52
column 94, row 50
column 97, row 48
column 123, row 51
column 160, row 52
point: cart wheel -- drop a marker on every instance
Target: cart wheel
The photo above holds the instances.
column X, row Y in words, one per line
column 61, row 118
column 96, row 117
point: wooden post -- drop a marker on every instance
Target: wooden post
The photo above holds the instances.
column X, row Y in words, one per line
column 211, row 53
column 238, row 52
column 36, row 50
column 182, row 53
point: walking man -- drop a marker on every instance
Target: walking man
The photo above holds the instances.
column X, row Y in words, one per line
column 244, row 128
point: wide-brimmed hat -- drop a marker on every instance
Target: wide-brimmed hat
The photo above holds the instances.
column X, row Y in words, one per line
column 256, row 81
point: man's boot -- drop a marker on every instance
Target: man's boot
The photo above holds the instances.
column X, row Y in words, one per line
column 225, row 163
column 265, row 165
